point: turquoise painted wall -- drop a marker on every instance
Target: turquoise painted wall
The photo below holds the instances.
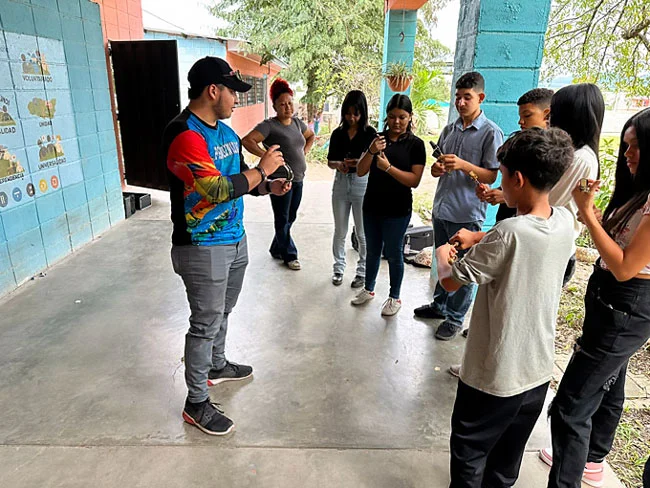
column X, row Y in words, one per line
column 190, row 50
column 397, row 48
column 60, row 185
column 504, row 41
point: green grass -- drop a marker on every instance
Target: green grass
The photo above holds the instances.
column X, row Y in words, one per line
column 631, row 447
column 422, row 204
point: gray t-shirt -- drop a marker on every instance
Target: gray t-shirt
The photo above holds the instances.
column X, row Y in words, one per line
column 291, row 141
column 519, row 265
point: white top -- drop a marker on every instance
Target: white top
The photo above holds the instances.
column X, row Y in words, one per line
column 519, row 265
column 624, row 237
column 585, row 165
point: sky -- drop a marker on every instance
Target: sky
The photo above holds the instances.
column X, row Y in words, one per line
column 187, row 15
column 192, row 16
column 445, row 31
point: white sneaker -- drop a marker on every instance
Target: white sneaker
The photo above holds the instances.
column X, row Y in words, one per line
column 362, row 297
column 391, row 306
column 454, row 370
column 294, row 265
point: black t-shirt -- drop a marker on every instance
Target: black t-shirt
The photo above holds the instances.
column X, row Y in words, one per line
column 385, row 196
column 341, row 146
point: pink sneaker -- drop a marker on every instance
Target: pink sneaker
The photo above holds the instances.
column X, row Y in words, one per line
column 546, row 455
column 593, row 475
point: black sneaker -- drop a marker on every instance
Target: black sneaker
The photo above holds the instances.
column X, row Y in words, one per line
column 208, row 417
column 447, row 331
column 230, row 372
column 428, row 311
column 358, row 282
column 337, row 279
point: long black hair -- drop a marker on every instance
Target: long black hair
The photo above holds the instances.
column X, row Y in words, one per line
column 630, row 191
column 357, row 100
column 579, row 110
column 403, row 102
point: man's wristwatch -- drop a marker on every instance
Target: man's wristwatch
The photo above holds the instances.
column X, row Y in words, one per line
column 262, row 172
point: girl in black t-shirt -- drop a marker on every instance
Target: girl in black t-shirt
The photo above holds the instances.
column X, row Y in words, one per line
column 348, row 142
column 395, row 160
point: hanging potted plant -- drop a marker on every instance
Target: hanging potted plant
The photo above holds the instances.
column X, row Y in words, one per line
column 398, row 76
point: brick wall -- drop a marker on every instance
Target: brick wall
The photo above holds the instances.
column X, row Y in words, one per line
column 60, row 186
column 245, row 118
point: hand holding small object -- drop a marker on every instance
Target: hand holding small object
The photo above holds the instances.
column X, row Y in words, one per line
column 585, row 199
column 446, row 253
column 453, row 252
column 437, row 170
column 378, row 145
column 280, row 186
column 464, row 239
column 451, row 162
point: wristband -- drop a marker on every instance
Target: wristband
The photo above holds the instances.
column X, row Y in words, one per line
column 372, row 153
column 262, row 172
column 389, row 167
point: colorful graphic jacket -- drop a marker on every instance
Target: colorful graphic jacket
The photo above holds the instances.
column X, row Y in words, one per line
column 204, row 166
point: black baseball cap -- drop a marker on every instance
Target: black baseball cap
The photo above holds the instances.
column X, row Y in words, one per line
column 215, row 71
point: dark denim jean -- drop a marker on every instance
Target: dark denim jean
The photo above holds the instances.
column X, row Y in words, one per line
column 285, row 210
column 453, row 305
column 589, row 401
column 387, row 233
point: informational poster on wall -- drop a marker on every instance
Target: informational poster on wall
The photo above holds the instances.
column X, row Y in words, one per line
column 37, row 127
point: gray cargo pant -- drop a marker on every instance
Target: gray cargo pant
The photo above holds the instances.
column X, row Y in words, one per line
column 213, row 277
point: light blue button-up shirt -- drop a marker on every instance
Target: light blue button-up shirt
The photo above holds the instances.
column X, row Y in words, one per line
column 455, row 198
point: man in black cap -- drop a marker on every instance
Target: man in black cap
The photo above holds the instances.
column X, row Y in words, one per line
column 207, row 180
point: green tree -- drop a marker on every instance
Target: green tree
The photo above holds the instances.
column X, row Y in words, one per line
column 601, row 41
column 329, row 45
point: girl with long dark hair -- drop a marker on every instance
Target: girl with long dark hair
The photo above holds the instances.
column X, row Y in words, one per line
column 349, row 140
column 578, row 110
column 395, row 161
column 589, row 401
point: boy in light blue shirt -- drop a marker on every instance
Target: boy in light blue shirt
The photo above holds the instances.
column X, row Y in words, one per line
column 469, row 145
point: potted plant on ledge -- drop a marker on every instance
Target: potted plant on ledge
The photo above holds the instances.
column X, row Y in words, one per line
column 398, row 76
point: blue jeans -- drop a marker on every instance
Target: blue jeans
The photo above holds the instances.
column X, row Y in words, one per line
column 453, row 305
column 347, row 194
column 285, row 210
column 387, row 233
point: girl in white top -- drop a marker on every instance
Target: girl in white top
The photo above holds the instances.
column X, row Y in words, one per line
column 578, row 110
column 589, row 402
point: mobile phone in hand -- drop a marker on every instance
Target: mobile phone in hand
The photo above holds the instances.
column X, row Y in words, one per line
column 437, row 152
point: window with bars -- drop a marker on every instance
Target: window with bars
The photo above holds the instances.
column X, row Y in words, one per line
column 255, row 95
column 259, row 90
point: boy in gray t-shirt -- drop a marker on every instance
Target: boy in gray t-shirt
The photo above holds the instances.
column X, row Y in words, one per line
column 519, row 264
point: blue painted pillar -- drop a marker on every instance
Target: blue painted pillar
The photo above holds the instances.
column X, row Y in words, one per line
column 504, row 41
column 399, row 45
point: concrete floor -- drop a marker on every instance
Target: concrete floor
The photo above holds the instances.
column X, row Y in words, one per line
column 91, row 376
